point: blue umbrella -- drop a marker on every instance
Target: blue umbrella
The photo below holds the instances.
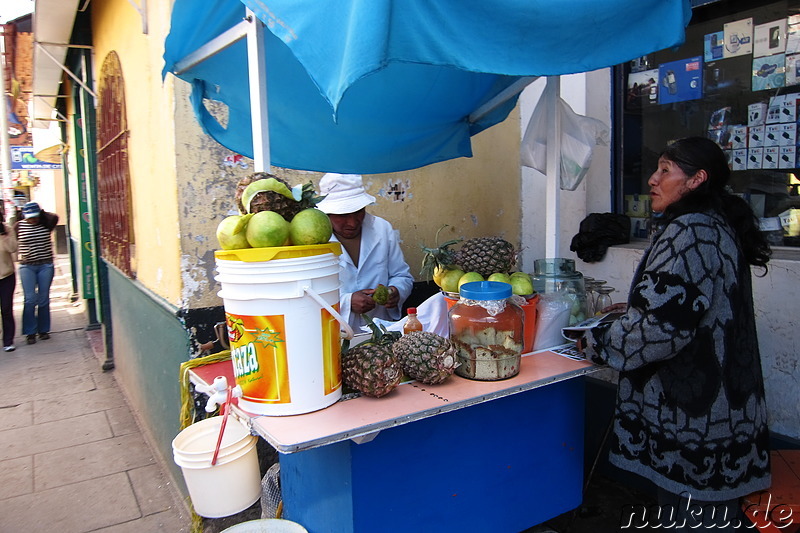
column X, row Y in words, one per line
column 372, row 86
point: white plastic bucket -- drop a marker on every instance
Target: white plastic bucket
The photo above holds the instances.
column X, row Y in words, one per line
column 283, row 323
column 266, row 525
column 230, row 486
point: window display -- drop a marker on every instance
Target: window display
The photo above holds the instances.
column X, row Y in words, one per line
column 736, row 80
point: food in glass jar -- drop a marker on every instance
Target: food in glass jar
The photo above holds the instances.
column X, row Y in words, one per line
column 487, row 354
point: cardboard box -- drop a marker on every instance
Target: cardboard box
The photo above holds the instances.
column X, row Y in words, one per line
column 788, row 157
column 789, row 135
column 755, row 136
column 738, row 137
column 757, row 114
column 772, row 134
column 771, row 157
column 755, row 157
column 739, row 159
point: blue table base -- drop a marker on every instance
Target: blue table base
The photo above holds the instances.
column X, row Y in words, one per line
column 498, row 466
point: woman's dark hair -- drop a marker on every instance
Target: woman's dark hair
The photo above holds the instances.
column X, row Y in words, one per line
column 692, row 154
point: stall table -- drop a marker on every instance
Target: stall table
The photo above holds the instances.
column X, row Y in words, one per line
column 460, row 456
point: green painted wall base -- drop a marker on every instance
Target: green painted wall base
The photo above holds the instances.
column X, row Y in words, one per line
column 150, row 342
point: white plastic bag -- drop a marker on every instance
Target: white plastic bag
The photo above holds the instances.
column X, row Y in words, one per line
column 579, row 135
column 554, row 312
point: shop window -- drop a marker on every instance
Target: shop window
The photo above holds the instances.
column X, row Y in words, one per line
column 736, row 80
column 113, row 181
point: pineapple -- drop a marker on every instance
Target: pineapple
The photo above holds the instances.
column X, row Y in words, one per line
column 275, row 201
column 425, row 356
column 486, row 255
column 371, row 367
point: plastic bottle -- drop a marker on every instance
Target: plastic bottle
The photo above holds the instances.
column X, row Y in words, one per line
column 412, row 322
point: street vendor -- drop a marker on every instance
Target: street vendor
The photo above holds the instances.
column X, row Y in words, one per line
column 371, row 254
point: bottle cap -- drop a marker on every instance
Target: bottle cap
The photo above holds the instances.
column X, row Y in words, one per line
column 411, row 310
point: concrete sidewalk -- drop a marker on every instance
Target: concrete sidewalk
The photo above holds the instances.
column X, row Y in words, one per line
column 72, row 457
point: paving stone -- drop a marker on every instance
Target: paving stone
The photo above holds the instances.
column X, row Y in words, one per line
column 77, row 508
column 122, row 421
column 16, row 415
column 88, row 461
column 16, row 477
column 166, row 521
column 63, row 407
column 53, row 435
column 42, row 388
column 104, row 380
column 152, row 488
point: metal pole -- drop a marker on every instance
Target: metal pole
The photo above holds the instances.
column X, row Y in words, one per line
column 552, row 225
column 5, row 146
column 256, row 67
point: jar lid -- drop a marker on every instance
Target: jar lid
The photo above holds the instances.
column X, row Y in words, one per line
column 485, row 290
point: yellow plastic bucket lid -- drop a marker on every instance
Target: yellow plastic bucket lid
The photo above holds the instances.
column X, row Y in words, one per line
column 253, row 255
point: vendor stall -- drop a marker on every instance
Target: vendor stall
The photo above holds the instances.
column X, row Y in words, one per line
column 460, row 456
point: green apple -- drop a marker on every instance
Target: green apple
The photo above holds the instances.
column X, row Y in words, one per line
column 500, row 276
column 450, row 280
column 469, row 277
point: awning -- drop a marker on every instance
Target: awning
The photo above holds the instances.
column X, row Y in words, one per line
column 371, row 86
column 52, row 29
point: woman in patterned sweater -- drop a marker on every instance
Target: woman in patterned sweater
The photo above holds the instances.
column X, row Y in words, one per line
column 691, row 414
column 36, row 269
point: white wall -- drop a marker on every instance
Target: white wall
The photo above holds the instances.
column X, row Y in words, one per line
column 776, row 296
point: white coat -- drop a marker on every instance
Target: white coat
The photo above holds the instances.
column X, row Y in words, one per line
column 381, row 262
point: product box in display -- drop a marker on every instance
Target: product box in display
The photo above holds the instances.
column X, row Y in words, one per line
column 755, row 136
column 774, row 109
column 789, row 134
column 755, row 157
column 771, row 156
column 757, row 114
column 637, row 205
column 788, row 157
column 738, row 137
column 739, row 159
column 789, row 108
column 772, row 134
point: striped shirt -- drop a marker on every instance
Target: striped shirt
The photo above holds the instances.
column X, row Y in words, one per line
column 34, row 244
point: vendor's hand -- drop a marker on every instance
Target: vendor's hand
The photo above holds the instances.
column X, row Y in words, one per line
column 615, row 308
column 394, row 297
column 362, row 302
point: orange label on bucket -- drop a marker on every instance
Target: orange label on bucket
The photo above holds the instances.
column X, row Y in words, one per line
column 331, row 351
column 258, row 354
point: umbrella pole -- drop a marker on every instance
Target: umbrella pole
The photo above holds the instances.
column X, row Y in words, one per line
column 552, row 223
column 257, row 72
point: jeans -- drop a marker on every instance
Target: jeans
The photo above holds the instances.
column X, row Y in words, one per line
column 36, row 280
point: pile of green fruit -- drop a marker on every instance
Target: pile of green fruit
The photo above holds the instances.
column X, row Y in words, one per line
column 478, row 259
column 273, row 214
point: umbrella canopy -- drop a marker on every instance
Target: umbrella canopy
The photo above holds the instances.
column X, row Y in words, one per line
column 371, row 86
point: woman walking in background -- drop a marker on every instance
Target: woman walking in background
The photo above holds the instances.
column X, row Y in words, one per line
column 36, row 269
column 8, row 281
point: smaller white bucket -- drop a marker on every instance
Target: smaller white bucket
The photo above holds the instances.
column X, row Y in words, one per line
column 267, row 525
column 230, row 486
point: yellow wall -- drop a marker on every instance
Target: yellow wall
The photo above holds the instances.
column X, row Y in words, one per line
column 117, row 26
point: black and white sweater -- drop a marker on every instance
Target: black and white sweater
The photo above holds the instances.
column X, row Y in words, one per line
column 691, row 414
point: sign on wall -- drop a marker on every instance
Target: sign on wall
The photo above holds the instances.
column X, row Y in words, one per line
column 22, row 158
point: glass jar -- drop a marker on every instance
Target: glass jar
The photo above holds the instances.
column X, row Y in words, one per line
column 487, row 330
column 559, row 275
